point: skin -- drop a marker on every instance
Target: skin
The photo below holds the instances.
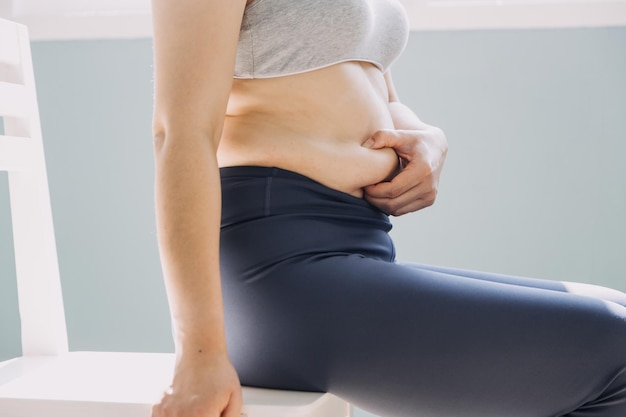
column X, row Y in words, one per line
column 205, row 119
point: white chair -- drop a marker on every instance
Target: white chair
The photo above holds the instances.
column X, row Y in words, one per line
column 48, row 380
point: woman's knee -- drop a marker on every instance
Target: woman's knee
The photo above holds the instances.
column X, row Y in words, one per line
column 596, row 291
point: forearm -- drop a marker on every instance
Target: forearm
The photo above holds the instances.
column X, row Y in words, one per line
column 188, row 209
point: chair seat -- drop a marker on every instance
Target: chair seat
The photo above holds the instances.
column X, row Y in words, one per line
column 106, row 384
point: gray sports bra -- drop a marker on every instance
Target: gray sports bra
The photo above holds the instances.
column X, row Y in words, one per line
column 283, row 37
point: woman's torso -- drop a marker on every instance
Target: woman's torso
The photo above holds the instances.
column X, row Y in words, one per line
column 313, row 123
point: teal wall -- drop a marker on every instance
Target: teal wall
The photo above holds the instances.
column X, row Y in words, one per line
column 534, row 183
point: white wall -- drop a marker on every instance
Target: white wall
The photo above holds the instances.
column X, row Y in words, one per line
column 118, row 19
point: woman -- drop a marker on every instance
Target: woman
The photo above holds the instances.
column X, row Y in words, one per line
column 280, row 144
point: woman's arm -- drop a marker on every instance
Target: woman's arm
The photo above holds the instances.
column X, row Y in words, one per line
column 194, row 56
column 422, row 150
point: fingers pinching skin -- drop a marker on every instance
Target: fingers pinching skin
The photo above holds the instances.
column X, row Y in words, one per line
column 388, row 138
column 416, row 186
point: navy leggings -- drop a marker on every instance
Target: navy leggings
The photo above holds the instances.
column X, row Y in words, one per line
column 315, row 301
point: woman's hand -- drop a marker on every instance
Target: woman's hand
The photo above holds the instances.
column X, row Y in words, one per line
column 206, row 386
column 422, row 153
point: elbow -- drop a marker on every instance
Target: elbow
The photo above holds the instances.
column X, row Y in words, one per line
column 158, row 137
column 185, row 130
column 187, row 138
column 159, row 130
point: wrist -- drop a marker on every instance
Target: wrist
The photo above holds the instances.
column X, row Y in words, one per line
column 198, row 353
column 197, row 340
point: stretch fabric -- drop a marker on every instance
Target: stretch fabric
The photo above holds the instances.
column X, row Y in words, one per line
column 315, row 301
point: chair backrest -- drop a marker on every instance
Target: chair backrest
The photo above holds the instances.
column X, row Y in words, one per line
column 21, row 154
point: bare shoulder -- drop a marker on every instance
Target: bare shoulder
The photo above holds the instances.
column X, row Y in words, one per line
column 195, row 43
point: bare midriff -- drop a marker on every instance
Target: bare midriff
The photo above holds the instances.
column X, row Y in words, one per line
column 313, row 123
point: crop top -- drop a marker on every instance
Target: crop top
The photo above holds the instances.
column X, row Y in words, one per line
column 284, row 37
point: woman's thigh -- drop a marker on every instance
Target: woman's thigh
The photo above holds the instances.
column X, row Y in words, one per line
column 400, row 340
column 589, row 290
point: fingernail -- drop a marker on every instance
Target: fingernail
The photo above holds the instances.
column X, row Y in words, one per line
column 368, row 143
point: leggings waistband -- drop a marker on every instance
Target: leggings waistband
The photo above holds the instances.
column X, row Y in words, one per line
column 252, row 192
